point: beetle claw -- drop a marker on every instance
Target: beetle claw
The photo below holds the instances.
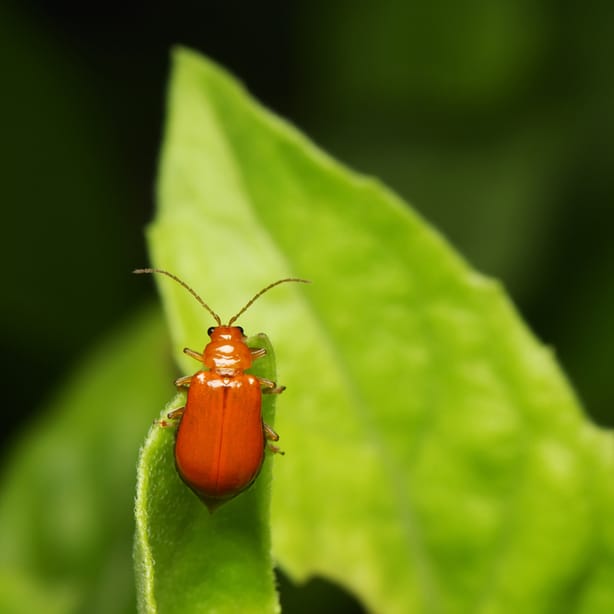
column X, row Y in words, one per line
column 275, row 449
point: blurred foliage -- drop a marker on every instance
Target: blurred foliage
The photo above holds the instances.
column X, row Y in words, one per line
column 67, row 495
column 445, row 447
column 495, row 122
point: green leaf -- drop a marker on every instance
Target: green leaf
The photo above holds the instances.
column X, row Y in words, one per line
column 189, row 560
column 68, row 487
column 437, row 459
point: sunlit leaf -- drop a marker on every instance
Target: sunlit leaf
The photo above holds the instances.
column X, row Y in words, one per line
column 437, row 459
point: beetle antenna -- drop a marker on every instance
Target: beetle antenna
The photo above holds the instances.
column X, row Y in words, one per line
column 257, row 296
column 182, row 283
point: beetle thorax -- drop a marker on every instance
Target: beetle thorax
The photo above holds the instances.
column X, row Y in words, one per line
column 227, row 352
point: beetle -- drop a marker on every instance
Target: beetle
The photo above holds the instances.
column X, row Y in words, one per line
column 221, row 438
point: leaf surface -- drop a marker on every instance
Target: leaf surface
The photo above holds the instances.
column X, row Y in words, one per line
column 437, row 458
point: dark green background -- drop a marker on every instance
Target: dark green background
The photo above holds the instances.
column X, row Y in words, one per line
column 493, row 119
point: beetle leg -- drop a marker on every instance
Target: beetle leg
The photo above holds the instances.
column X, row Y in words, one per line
column 270, row 387
column 193, row 354
column 175, row 414
column 271, row 435
column 183, row 381
column 257, row 352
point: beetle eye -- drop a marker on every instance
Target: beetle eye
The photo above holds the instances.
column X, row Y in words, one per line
column 241, row 330
column 210, row 330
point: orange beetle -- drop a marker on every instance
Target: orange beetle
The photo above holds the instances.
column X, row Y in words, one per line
column 221, row 438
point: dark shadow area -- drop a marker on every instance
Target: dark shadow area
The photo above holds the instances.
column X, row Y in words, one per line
column 316, row 595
